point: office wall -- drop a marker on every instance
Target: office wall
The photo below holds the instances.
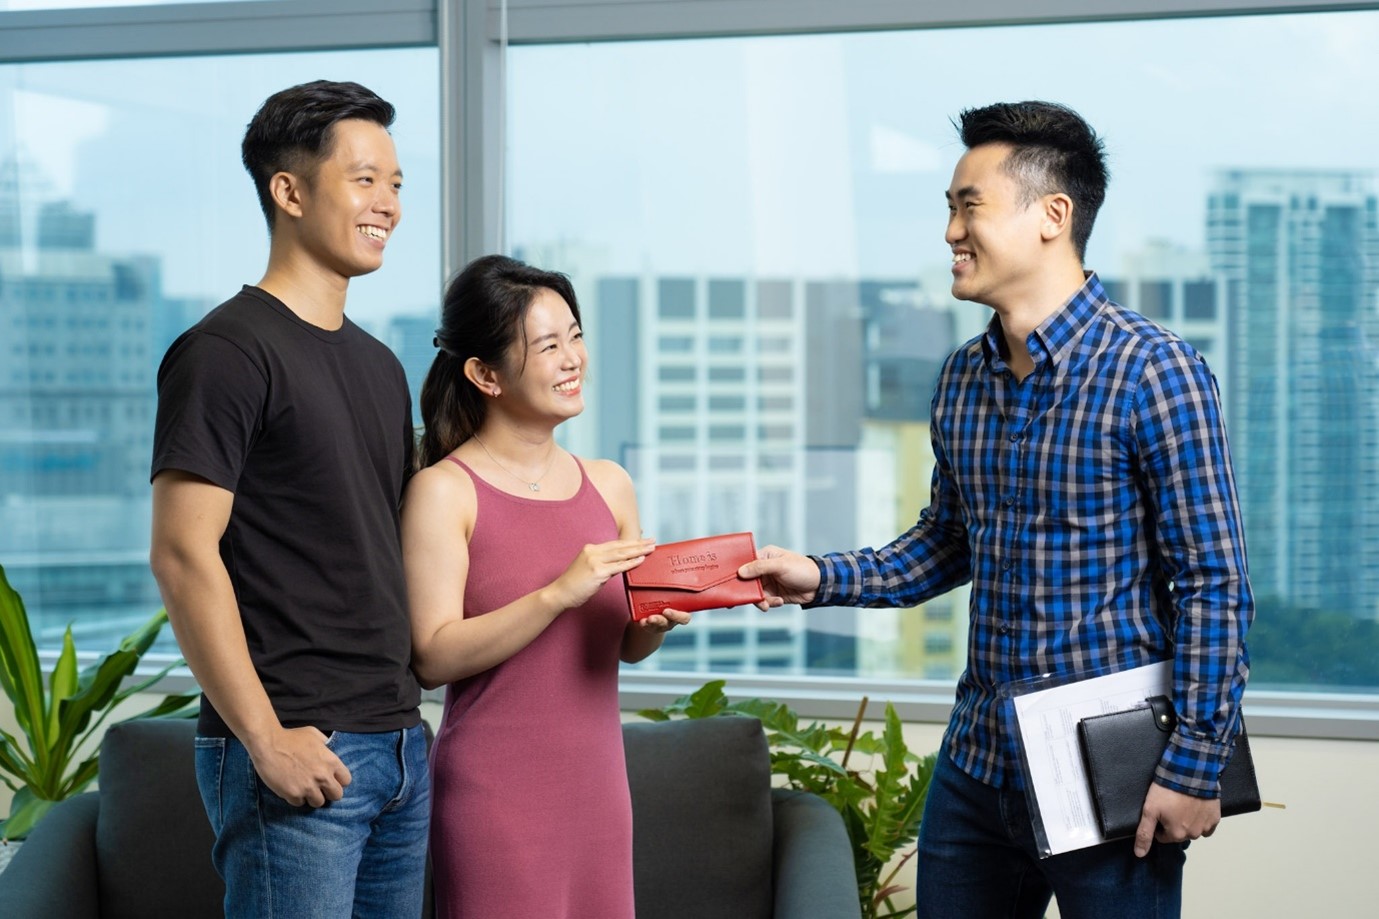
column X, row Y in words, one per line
column 1311, row 859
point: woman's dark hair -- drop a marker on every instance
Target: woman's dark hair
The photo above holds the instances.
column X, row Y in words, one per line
column 1055, row 150
column 484, row 312
column 292, row 130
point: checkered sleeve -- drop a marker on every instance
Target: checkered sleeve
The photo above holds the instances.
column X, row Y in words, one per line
column 1186, row 463
column 930, row 558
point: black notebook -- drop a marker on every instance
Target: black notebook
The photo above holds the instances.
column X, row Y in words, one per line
column 1121, row 750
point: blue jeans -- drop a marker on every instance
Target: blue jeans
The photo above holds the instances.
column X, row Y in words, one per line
column 361, row 856
column 978, row 860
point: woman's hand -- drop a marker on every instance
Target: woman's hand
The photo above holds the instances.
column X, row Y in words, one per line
column 664, row 621
column 592, row 568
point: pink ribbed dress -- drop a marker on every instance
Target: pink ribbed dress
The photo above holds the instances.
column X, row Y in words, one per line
column 531, row 817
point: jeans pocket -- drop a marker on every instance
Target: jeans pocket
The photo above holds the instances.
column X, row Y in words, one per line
column 210, row 773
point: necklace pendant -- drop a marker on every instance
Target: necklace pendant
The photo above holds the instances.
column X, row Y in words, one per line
column 534, row 486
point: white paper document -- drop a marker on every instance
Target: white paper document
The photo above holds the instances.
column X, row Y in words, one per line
column 1047, row 720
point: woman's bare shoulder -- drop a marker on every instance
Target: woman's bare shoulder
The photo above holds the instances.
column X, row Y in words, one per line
column 443, row 483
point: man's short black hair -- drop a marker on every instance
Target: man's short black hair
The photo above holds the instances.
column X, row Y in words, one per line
column 291, row 132
column 1055, row 150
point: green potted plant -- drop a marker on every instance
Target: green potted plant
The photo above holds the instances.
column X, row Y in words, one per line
column 57, row 720
column 881, row 801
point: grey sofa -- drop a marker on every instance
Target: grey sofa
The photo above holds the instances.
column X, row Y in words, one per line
column 712, row 840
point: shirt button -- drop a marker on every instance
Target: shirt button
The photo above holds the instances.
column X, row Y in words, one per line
column 1015, row 438
column 1006, row 565
column 1009, row 502
column 1004, row 628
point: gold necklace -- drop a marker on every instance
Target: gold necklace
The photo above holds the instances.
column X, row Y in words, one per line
column 534, row 486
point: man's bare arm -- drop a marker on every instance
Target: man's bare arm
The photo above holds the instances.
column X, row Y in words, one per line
column 189, row 518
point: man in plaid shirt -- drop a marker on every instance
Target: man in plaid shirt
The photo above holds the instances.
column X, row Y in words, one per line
column 1083, row 485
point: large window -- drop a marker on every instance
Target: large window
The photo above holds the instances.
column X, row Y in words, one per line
column 751, row 210
column 124, row 216
column 785, row 194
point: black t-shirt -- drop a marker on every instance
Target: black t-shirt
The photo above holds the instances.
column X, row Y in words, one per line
column 311, row 430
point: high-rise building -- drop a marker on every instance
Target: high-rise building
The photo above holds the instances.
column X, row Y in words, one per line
column 699, row 389
column 741, row 404
column 412, row 338
column 908, row 335
column 77, row 403
column 1177, row 288
column 1298, row 252
column 77, row 383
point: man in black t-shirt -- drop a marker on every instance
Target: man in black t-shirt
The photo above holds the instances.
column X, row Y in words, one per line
column 282, row 444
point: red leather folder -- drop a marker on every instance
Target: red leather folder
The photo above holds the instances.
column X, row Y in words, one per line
column 692, row 575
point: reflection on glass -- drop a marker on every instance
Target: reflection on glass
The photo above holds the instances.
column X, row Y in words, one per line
column 124, row 216
column 86, row 4
column 785, row 195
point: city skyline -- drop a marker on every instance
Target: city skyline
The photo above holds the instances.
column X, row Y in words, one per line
column 800, row 175
column 800, row 156
column 709, row 391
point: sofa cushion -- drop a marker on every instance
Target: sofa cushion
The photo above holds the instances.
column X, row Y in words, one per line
column 153, row 840
column 814, row 873
column 54, row 872
column 701, row 818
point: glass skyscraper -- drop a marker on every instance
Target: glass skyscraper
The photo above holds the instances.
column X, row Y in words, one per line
column 1299, row 254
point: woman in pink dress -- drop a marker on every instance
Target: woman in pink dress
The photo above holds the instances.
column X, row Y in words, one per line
column 514, row 551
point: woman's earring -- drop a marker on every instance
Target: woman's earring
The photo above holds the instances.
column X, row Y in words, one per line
column 495, row 392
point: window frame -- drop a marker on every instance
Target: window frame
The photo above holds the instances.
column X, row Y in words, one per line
column 471, row 37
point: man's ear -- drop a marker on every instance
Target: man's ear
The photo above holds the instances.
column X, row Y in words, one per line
column 484, row 377
column 286, row 188
column 1058, row 216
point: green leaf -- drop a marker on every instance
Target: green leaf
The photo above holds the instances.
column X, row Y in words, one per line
column 707, row 701
column 805, row 776
column 83, row 776
column 63, row 681
column 900, row 914
column 25, row 810
column 868, row 744
column 13, row 759
column 894, row 740
column 814, row 737
column 824, row 762
column 142, row 638
column 653, row 714
column 774, row 716
column 57, row 720
column 21, row 677
column 704, row 702
column 98, row 685
column 146, row 684
column 853, row 792
column 171, row 705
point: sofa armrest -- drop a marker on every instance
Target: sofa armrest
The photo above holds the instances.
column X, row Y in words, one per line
column 813, row 874
column 54, row 871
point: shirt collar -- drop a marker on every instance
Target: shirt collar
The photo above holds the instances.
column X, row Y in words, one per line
column 1057, row 336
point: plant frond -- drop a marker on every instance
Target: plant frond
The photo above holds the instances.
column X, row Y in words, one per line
column 21, row 677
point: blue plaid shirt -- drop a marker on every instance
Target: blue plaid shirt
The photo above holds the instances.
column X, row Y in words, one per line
column 1093, row 508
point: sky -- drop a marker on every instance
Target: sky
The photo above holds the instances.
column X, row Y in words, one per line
column 798, row 156
column 152, row 146
column 848, row 147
